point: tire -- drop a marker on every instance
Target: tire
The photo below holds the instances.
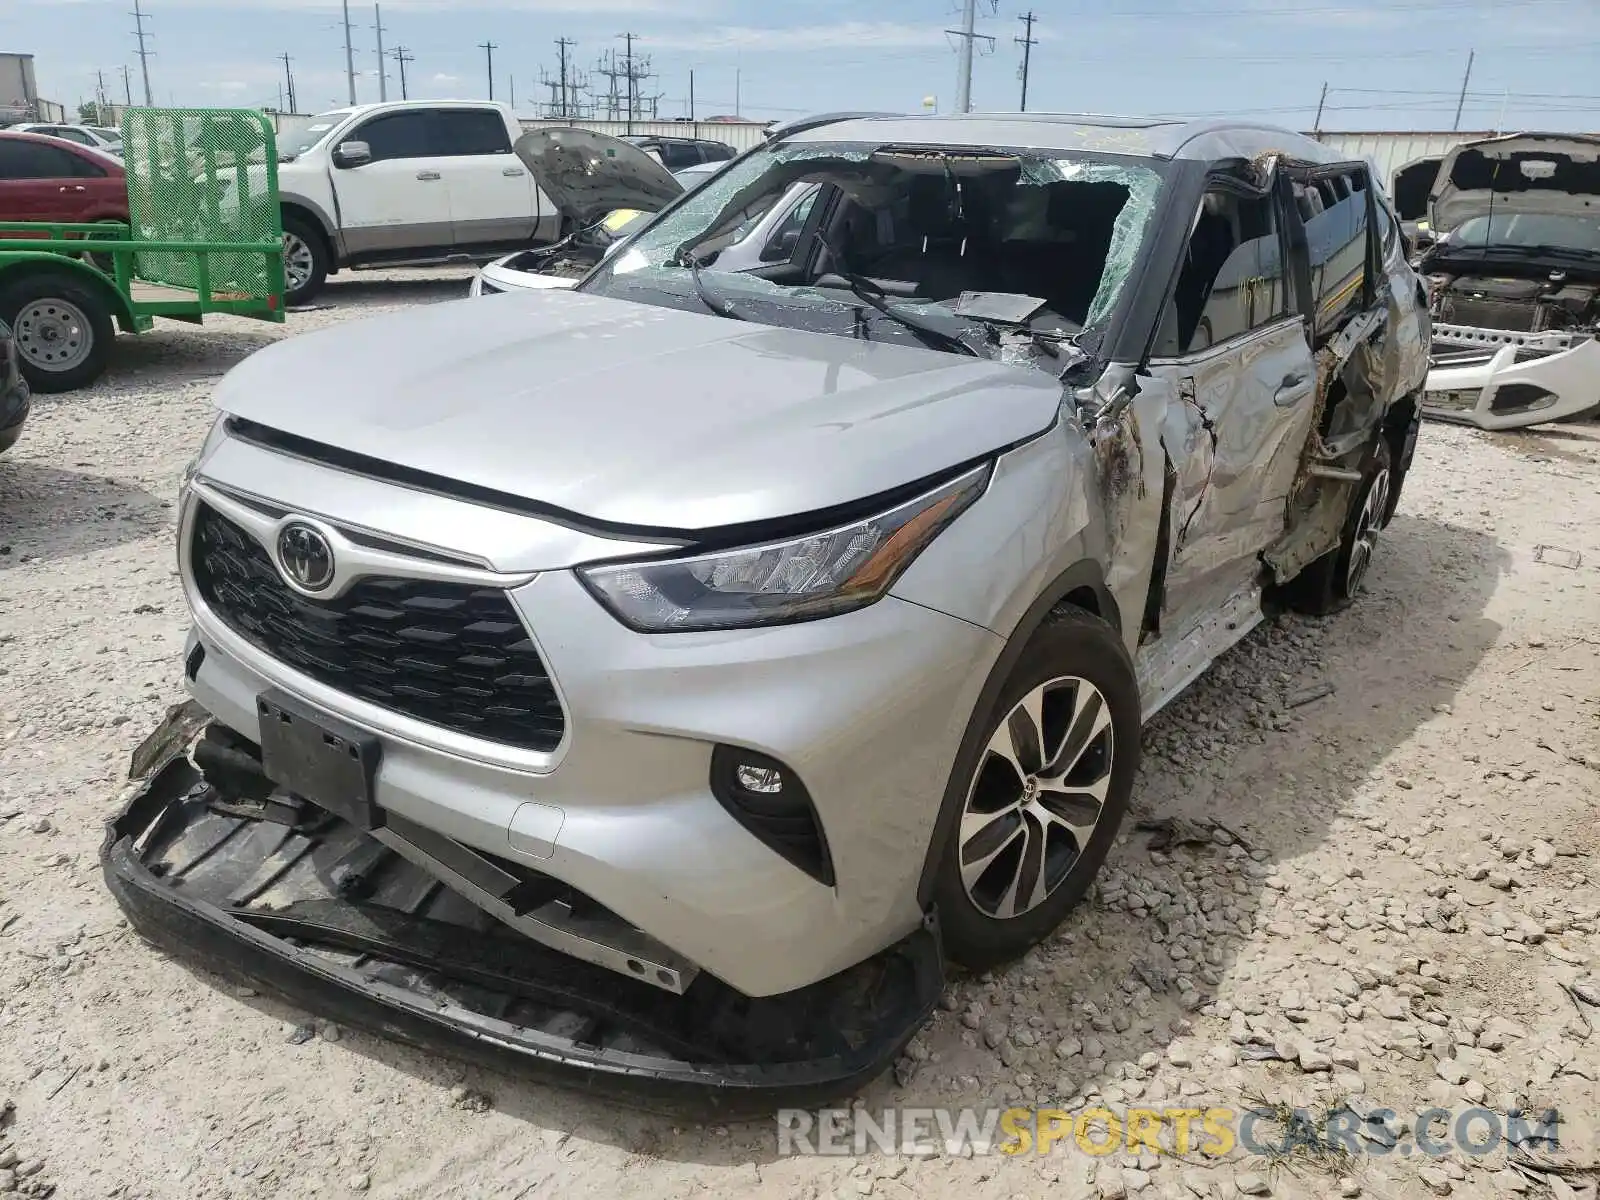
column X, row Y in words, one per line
column 1041, row 859
column 61, row 328
column 304, row 239
column 1335, row 579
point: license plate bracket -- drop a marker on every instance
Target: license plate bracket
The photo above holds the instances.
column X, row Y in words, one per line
column 320, row 759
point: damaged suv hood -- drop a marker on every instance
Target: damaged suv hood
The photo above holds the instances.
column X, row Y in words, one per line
column 639, row 415
column 588, row 174
column 1523, row 173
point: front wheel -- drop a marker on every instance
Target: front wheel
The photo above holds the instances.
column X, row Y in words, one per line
column 305, row 261
column 61, row 328
column 1041, row 791
column 1337, row 578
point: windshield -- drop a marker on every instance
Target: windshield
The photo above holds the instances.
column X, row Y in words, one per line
column 895, row 243
column 296, row 135
column 1528, row 230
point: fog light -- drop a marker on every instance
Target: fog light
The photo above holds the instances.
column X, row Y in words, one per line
column 768, row 799
column 768, row 781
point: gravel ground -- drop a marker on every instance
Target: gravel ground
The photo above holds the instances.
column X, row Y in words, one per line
column 1385, row 883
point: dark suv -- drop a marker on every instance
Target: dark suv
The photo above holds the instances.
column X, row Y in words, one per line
column 678, row 153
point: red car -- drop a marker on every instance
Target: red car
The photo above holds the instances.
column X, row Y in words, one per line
column 49, row 179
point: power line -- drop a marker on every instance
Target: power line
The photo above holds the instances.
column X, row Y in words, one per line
column 489, row 48
column 144, row 55
column 1027, row 41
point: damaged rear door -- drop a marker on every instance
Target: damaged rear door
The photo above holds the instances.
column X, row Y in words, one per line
column 1239, row 359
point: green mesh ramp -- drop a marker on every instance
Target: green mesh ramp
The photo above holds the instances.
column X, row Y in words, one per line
column 209, row 176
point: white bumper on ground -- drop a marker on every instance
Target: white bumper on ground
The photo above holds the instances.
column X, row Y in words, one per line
column 1501, row 379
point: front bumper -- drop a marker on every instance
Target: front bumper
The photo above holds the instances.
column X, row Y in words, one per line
column 320, row 915
column 867, row 709
column 497, row 277
column 1498, row 379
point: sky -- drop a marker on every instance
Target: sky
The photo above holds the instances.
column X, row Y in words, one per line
column 1387, row 64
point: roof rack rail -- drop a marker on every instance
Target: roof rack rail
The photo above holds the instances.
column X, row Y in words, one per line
column 801, row 124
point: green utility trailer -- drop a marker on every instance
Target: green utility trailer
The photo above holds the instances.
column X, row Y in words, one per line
column 204, row 236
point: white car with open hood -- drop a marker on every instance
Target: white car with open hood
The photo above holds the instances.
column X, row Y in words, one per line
column 1514, row 280
column 605, row 190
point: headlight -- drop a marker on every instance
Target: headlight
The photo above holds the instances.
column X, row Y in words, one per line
column 820, row 575
column 214, row 437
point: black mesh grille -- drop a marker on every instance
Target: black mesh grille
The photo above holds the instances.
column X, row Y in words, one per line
column 451, row 654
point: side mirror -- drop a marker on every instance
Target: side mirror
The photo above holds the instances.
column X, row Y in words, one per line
column 351, row 154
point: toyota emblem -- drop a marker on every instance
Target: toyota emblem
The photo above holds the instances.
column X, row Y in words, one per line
column 304, row 557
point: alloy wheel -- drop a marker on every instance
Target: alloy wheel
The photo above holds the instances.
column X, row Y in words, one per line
column 298, row 262
column 54, row 335
column 1366, row 535
column 1036, row 797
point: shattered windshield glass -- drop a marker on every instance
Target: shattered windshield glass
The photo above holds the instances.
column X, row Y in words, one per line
column 965, row 250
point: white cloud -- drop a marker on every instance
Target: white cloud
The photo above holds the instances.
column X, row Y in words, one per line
column 846, row 35
column 441, row 77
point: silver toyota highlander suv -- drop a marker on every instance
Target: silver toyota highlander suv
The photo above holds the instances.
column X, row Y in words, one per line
column 660, row 680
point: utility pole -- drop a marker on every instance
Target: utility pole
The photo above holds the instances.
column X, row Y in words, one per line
column 127, row 85
column 691, row 93
column 561, row 105
column 383, row 75
column 144, row 55
column 349, row 55
column 1462, row 103
column 513, row 82
column 402, row 56
column 737, row 80
column 288, row 79
column 968, row 35
column 1027, row 41
column 99, row 97
column 633, row 90
column 489, row 48
column 1316, row 125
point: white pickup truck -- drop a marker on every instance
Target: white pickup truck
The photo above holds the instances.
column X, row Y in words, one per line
column 403, row 183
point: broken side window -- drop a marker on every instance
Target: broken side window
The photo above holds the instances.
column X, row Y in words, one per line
column 1232, row 280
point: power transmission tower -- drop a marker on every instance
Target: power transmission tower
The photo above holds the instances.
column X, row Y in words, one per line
column 402, row 56
column 968, row 36
column 144, row 55
column 349, row 54
column 489, row 48
column 1027, row 41
column 288, row 79
column 383, row 74
column 127, row 85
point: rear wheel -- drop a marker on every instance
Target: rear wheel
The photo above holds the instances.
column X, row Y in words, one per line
column 1041, row 791
column 61, row 328
column 305, row 260
column 1338, row 577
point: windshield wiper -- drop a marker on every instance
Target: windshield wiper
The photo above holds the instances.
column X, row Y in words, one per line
column 719, row 305
column 873, row 296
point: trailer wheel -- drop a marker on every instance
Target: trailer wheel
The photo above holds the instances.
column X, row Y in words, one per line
column 61, row 328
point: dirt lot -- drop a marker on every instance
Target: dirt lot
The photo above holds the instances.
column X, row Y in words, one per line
column 1408, row 914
